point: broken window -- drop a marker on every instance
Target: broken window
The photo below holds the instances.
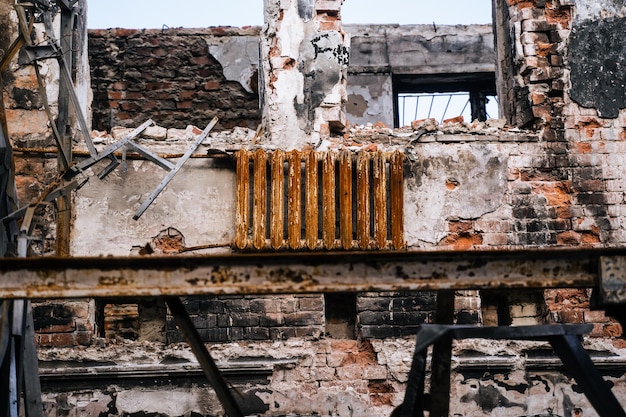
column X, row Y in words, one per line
column 433, row 66
column 444, row 96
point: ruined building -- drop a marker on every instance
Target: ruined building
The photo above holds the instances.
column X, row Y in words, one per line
column 260, row 195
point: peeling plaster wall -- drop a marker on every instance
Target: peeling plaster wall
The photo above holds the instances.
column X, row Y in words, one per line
column 598, row 9
column 462, row 182
column 487, row 185
column 370, row 99
column 239, row 57
column 421, row 49
column 333, row 377
column 200, row 206
column 304, row 77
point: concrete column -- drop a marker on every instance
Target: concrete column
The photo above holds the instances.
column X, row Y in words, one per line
column 304, row 54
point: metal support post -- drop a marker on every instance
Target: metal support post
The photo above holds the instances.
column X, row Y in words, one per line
column 565, row 339
column 204, row 358
column 442, row 357
column 579, row 364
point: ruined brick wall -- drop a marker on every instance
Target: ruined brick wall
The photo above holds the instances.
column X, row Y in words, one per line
column 27, row 122
column 482, row 186
column 169, row 76
column 64, row 324
column 314, row 377
column 376, row 316
column 234, row 318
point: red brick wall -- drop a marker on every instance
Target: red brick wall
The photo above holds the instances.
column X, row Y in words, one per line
column 164, row 75
column 63, row 323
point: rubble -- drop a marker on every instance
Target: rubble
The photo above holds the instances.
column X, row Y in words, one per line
column 370, row 137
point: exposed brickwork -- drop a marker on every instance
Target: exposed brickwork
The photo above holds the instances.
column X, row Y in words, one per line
column 63, row 323
column 462, row 235
column 540, row 35
column 32, row 178
column 573, row 306
column 121, row 321
column 383, row 315
column 231, row 318
column 168, row 76
column 562, row 188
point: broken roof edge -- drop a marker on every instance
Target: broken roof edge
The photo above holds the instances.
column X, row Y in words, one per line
column 354, row 29
column 368, row 29
column 179, row 31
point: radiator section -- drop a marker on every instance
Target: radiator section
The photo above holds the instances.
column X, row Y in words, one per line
column 307, row 200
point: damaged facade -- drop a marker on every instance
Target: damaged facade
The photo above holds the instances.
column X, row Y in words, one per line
column 546, row 176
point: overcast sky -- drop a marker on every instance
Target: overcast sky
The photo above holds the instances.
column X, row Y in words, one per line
column 140, row 14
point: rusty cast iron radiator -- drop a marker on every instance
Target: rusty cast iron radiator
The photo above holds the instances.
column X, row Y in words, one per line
column 306, row 200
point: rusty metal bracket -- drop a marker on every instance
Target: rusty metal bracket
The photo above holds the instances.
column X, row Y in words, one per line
column 175, row 169
column 205, row 360
column 565, row 340
column 94, row 159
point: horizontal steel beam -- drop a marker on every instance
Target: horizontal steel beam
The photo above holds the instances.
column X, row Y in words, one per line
column 298, row 273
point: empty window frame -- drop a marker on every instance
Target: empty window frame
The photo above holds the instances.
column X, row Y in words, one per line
column 444, row 96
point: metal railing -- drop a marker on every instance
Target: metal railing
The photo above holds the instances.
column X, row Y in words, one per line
column 440, row 106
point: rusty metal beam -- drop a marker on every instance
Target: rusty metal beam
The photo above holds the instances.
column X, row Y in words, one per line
column 299, row 273
column 211, row 371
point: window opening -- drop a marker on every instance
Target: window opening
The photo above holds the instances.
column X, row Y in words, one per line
column 442, row 106
column 444, row 96
column 340, row 313
column 131, row 319
column 120, row 321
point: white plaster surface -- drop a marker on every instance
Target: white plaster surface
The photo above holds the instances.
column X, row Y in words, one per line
column 239, row 57
column 481, row 174
column 291, row 32
column 596, row 9
column 179, row 402
column 199, row 202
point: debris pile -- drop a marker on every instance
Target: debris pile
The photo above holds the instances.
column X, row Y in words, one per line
column 369, row 137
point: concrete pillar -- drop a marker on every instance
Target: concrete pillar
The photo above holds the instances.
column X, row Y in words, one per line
column 304, row 54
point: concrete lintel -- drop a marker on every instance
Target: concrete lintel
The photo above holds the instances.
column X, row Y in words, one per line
column 422, row 49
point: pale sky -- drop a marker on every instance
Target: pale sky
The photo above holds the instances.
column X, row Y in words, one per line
column 151, row 14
